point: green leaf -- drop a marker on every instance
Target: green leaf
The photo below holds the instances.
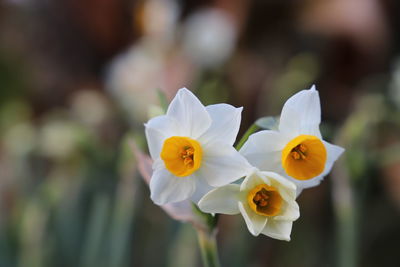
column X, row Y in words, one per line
column 209, row 220
column 163, row 100
column 253, row 128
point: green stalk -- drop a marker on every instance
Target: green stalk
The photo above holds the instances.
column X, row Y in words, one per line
column 346, row 206
column 253, row 128
column 208, row 248
column 206, row 234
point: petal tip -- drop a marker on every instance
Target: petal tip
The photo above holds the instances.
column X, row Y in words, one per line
column 184, row 90
column 156, row 201
column 253, row 234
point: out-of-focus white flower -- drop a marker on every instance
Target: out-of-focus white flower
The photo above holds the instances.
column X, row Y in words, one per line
column 90, row 107
column 266, row 200
column 192, row 149
column 395, row 83
column 133, row 77
column 154, row 62
column 209, row 37
column 159, row 19
column 296, row 150
column 59, row 138
column 19, row 139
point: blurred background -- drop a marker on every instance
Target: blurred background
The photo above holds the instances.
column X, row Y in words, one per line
column 79, row 78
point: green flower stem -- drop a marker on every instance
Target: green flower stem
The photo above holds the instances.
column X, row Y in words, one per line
column 206, row 233
column 253, row 128
column 208, row 248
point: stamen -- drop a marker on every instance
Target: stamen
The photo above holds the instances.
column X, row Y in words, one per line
column 187, row 161
column 265, row 200
column 299, row 152
column 295, row 155
column 302, row 148
column 190, row 151
column 257, row 198
column 187, row 155
column 262, row 203
column 260, row 199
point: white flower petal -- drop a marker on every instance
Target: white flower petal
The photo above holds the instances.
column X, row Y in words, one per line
column 221, row 200
column 281, row 181
column 333, row 153
column 255, row 223
column 286, row 188
column 222, row 164
column 291, row 212
column 278, row 229
column 252, row 180
column 300, row 189
column 264, row 150
column 191, row 115
column 157, row 130
column 202, row 188
column 181, row 211
column 289, row 209
column 301, row 114
column 158, row 163
column 165, row 187
column 225, row 124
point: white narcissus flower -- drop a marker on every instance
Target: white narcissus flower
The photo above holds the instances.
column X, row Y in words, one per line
column 192, row 149
column 297, row 150
column 266, row 200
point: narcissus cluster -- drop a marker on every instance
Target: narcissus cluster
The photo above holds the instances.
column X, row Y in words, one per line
column 194, row 158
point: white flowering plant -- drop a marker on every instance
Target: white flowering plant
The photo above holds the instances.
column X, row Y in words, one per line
column 195, row 173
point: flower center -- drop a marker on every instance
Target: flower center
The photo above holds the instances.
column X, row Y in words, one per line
column 299, row 152
column 304, row 157
column 265, row 200
column 181, row 155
